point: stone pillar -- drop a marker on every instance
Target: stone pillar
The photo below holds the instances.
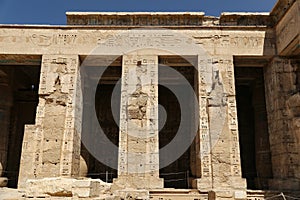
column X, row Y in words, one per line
column 203, row 139
column 51, row 147
column 88, row 125
column 195, row 159
column 282, row 78
column 5, row 106
column 138, row 166
column 219, row 141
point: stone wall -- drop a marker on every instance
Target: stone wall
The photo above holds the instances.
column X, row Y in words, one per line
column 282, row 97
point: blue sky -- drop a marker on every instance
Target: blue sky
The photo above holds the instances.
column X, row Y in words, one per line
column 53, row 11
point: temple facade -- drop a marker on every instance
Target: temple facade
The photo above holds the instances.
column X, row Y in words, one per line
column 152, row 105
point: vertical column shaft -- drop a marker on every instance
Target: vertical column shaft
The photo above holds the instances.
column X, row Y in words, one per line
column 219, row 141
column 203, row 139
column 138, row 144
column 51, row 147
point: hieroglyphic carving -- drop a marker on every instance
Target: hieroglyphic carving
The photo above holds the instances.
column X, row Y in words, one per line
column 70, row 156
column 31, row 158
column 205, row 141
column 147, row 19
column 230, row 41
column 65, row 39
column 8, row 39
column 144, row 39
column 247, row 41
column 59, row 96
column 229, row 81
column 41, row 40
column 234, row 147
column 56, row 39
column 138, row 145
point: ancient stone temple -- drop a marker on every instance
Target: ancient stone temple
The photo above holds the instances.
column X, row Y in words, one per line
column 149, row 105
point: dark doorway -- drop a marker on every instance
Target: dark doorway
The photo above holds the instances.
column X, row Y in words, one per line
column 19, row 99
column 106, row 95
column 253, row 127
column 178, row 173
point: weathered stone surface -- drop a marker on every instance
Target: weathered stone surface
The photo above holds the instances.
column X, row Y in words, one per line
column 135, row 18
column 83, row 168
column 287, row 31
column 134, row 194
column 138, row 145
column 60, row 187
column 3, row 181
column 51, row 161
column 245, row 19
column 56, row 135
column 230, row 41
column 283, row 108
column 67, row 187
column 9, row 194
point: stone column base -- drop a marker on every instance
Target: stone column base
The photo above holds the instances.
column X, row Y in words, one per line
column 134, row 182
column 227, row 194
column 284, row 184
column 133, row 194
column 235, row 188
column 202, row 184
column 207, row 184
column 3, row 181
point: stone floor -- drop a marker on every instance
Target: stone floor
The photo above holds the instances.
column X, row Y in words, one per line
column 165, row 194
column 15, row 194
column 11, row 194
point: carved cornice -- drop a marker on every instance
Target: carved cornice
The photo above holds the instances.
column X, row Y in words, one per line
column 135, row 18
column 168, row 19
column 280, row 9
column 245, row 19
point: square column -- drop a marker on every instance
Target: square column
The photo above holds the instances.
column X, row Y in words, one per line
column 138, row 166
column 51, row 147
column 219, row 153
column 203, row 138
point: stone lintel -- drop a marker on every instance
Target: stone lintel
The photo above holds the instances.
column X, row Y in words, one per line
column 21, row 59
